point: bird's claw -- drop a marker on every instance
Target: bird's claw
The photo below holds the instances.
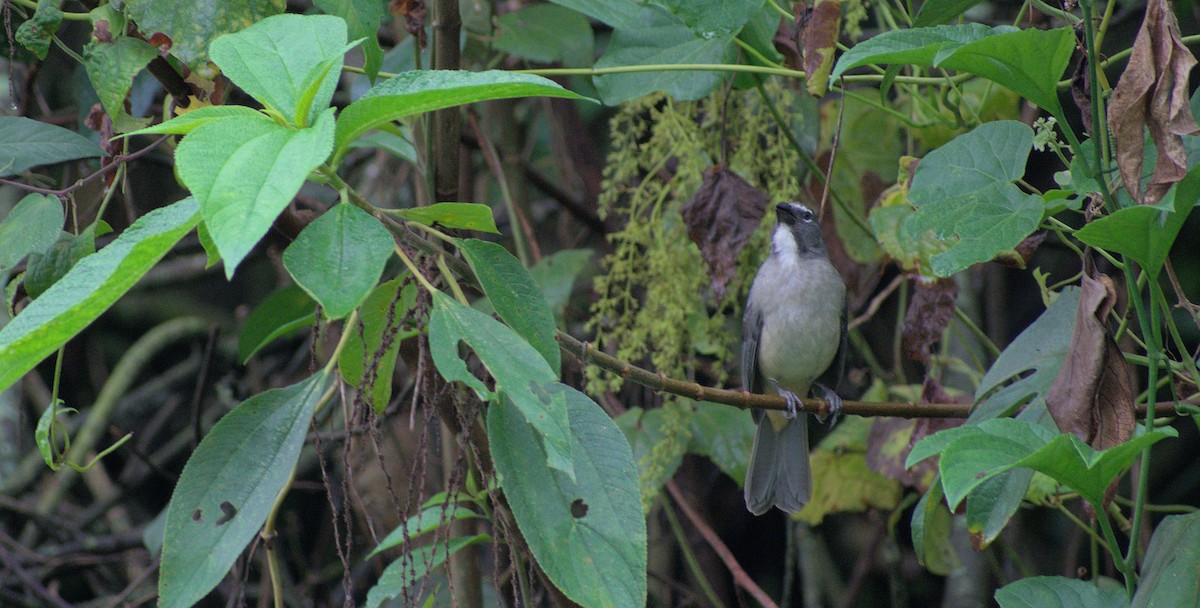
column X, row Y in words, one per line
column 794, row 404
column 835, row 404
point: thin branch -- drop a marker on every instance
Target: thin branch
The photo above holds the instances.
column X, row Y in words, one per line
column 740, row 578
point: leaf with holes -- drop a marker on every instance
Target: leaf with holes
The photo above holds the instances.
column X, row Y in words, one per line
column 227, row 487
column 587, row 533
column 521, row 373
column 111, row 67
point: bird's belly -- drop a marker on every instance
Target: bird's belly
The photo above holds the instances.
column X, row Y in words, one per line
column 798, row 343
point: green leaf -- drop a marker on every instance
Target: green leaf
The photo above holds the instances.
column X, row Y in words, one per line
column 289, row 62
column 90, row 288
column 965, row 197
column 725, row 435
column 32, row 226
column 515, row 296
column 35, row 33
column 41, row 433
column 244, row 171
column 620, row 14
column 643, row 429
column 979, row 225
column 994, row 152
column 211, row 255
column 547, row 33
column 1060, row 592
column 1168, row 575
column 710, row 18
column 402, row 573
column 111, row 67
column 339, row 257
column 419, row 91
column 522, row 375
column 467, row 216
column 26, row 143
column 395, row 144
column 1146, row 233
column 285, row 312
column 1029, row 62
column 362, row 21
column 227, row 487
column 937, row 12
column 191, row 26
column 556, row 273
column 931, row 528
column 1040, row 349
column 427, row 520
column 374, row 313
column 186, row 123
column 661, row 39
column 45, row 269
column 588, row 533
column 975, row 453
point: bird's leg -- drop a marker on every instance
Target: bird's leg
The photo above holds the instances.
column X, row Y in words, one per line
column 793, row 401
column 835, row 403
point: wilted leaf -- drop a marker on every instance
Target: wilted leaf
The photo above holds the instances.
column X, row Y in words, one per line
column 191, row 27
column 720, row 218
column 35, row 33
column 1092, row 396
column 1153, row 93
column 928, row 315
column 820, row 37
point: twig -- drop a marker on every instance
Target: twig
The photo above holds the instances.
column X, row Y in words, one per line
column 105, row 168
column 740, row 578
column 876, row 302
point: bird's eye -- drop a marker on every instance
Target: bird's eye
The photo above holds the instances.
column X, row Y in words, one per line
column 806, row 215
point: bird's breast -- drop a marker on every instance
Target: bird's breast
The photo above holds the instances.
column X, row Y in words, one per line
column 801, row 332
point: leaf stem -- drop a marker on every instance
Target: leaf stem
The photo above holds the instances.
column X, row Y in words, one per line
column 413, row 269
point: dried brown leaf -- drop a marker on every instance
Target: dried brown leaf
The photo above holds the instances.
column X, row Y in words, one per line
column 787, row 37
column 819, row 38
column 1153, row 93
column 720, row 218
column 928, row 315
column 1092, row 396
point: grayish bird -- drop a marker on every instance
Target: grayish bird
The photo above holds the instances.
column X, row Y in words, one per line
column 794, row 341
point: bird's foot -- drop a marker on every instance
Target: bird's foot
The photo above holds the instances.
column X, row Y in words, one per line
column 793, row 401
column 835, row 404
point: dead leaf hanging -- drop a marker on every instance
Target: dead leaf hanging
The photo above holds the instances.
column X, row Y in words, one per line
column 720, row 218
column 1153, row 93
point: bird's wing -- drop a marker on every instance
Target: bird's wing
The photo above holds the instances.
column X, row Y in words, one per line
column 832, row 376
column 752, row 323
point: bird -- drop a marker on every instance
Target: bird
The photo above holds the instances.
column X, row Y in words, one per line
column 793, row 341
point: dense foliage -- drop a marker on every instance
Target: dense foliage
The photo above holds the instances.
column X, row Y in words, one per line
column 295, row 296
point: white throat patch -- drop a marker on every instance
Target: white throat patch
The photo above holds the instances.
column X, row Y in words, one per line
column 783, row 243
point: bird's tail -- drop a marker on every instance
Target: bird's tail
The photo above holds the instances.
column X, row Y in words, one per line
column 778, row 473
